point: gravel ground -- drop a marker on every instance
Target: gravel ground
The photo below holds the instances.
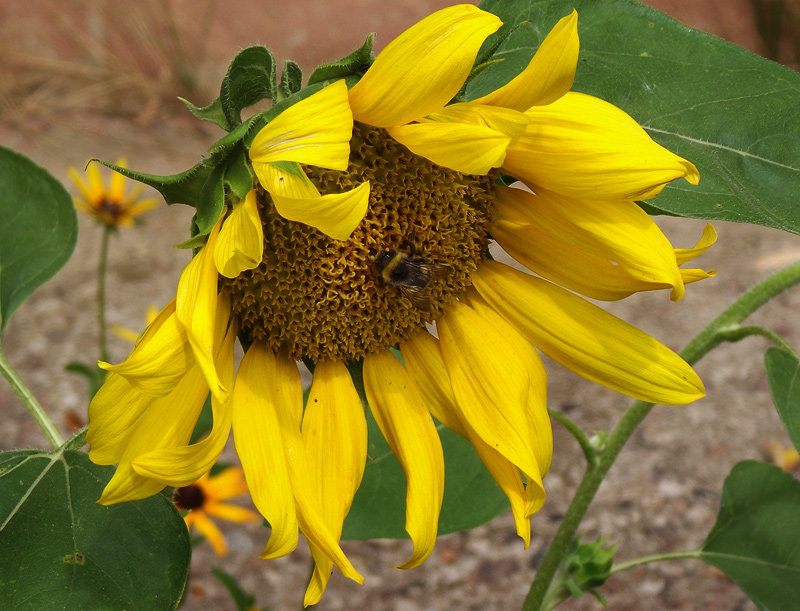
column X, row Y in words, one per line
column 663, row 493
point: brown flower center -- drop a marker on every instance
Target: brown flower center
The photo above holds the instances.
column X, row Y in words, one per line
column 425, row 231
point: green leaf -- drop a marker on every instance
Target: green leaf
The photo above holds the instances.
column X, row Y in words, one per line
column 250, row 79
column 238, row 178
column 471, row 497
column 291, row 79
column 242, row 600
column 93, row 374
column 212, row 112
column 355, row 64
column 783, row 376
column 38, row 229
column 61, row 550
column 212, row 199
column 732, row 113
column 755, row 538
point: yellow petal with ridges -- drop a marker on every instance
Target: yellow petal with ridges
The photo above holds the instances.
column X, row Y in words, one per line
column 285, row 179
column 582, row 146
column 336, row 214
column 183, row 465
column 469, row 149
column 335, row 435
column 508, row 122
column 240, row 243
column 168, row 422
column 160, row 358
column 423, row 68
column 314, row 131
column 196, row 309
column 113, row 413
column 260, row 446
column 619, row 231
column 408, row 428
column 550, row 73
column 586, row 339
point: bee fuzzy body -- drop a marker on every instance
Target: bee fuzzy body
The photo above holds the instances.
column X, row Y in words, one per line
column 410, row 273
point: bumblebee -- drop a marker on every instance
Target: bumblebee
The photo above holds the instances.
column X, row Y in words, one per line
column 411, row 273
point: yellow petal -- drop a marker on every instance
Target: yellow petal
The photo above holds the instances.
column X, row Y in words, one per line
column 232, row 513
column 504, row 120
column 491, row 384
column 550, row 73
column 314, row 131
column 181, row 466
column 619, row 232
column 335, row 214
column 709, row 237
column 335, row 436
column 160, row 358
column 240, row 243
column 423, row 68
column 210, row 531
column 224, row 485
column 196, row 309
column 409, row 430
column 84, row 189
column 168, row 422
column 469, row 149
column 587, row 339
column 141, row 207
column 116, row 184
column 259, row 444
column 582, row 146
column 97, row 189
column 113, row 413
column 285, row 179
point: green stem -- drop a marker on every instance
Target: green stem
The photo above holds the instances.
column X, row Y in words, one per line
column 101, row 293
column 738, row 333
column 32, row 405
column 703, row 343
column 641, row 560
column 576, row 431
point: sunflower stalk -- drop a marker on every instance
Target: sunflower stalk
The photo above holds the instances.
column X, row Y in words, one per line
column 101, row 293
column 699, row 346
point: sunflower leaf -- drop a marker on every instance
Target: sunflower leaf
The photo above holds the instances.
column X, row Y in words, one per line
column 754, row 540
column 783, row 376
column 732, row 113
column 238, row 178
column 212, row 112
column 61, row 550
column 38, row 232
column 355, row 64
column 251, row 77
column 291, row 79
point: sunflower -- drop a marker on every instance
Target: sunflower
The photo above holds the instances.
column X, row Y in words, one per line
column 203, row 499
column 109, row 206
column 370, row 219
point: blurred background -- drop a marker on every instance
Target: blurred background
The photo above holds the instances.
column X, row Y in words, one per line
column 83, row 78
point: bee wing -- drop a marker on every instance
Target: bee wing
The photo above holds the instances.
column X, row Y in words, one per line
column 418, row 296
column 428, row 269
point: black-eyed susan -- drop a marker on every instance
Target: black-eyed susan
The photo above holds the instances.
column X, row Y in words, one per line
column 109, row 205
column 204, row 499
column 392, row 171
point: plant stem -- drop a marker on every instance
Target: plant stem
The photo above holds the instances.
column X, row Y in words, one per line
column 588, row 450
column 32, row 405
column 739, row 333
column 641, row 560
column 698, row 347
column 101, row 293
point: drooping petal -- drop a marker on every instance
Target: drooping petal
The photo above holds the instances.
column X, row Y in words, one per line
column 335, row 435
column 335, row 214
column 209, row 530
column 314, row 131
column 113, row 413
column 286, row 179
column 582, row 146
column 619, row 232
column 504, row 120
column 168, row 422
column 491, row 385
column 409, row 430
column 240, row 243
column 550, row 73
column 226, row 484
column 470, row 149
column 196, row 309
column 709, row 237
column 587, row 339
column 180, row 466
column 423, row 68
column 259, row 444
column 160, row 358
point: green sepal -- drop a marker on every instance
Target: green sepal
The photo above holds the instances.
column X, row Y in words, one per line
column 291, row 79
column 355, row 64
column 196, row 241
column 212, row 198
column 251, row 77
column 212, row 112
column 586, row 567
column 238, row 178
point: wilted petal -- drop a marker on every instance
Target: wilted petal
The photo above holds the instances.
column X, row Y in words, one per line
column 240, row 243
column 423, row 68
column 335, row 214
column 508, row 122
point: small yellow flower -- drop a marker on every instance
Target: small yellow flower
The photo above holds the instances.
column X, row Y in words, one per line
column 203, row 499
column 109, row 206
column 131, row 335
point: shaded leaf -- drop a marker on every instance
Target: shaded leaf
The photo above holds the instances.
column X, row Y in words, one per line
column 61, row 550
column 251, row 77
column 38, row 231
column 755, row 538
column 291, row 79
column 212, row 112
column 732, row 113
column 783, row 376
